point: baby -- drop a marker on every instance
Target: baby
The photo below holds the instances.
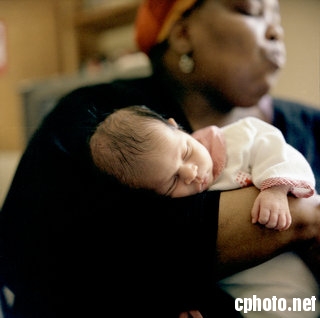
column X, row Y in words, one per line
column 142, row 149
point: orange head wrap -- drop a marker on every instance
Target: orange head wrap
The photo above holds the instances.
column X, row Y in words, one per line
column 155, row 19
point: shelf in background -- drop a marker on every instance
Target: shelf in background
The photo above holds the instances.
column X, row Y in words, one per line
column 106, row 17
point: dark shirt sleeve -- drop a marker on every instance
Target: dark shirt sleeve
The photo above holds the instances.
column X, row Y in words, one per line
column 79, row 244
column 300, row 125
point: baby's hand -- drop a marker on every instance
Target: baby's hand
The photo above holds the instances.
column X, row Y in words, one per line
column 271, row 208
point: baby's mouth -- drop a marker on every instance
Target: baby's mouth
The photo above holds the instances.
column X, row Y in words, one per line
column 202, row 184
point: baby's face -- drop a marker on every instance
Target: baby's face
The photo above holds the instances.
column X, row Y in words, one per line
column 181, row 165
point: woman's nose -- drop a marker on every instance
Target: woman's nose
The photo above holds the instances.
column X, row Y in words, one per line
column 275, row 32
column 188, row 173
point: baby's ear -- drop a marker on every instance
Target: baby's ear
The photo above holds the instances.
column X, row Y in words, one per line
column 172, row 122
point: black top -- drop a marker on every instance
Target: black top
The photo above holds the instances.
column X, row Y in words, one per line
column 78, row 244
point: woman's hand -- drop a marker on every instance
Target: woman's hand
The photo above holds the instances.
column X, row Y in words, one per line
column 190, row 314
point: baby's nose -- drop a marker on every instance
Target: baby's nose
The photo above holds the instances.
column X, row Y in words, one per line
column 189, row 173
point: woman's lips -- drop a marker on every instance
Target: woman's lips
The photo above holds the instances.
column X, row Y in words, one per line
column 276, row 57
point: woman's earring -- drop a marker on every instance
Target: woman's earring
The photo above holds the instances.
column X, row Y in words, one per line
column 186, row 64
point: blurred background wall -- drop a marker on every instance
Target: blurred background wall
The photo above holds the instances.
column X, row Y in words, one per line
column 52, row 38
column 300, row 80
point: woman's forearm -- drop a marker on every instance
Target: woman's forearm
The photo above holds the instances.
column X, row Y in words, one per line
column 241, row 244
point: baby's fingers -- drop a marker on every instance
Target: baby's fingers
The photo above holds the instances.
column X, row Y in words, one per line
column 255, row 212
column 284, row 222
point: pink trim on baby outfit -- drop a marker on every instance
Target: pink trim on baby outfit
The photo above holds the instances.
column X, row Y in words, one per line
column 298, row 188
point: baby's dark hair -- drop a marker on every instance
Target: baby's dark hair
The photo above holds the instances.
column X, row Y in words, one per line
column 121, row 142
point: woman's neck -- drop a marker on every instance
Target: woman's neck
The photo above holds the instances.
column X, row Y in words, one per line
column 201, row 110
column 204, row 114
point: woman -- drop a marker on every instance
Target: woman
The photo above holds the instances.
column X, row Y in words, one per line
column 78, row 244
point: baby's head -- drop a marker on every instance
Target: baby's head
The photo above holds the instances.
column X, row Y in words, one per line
column 143, row 150
column 124, row 144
